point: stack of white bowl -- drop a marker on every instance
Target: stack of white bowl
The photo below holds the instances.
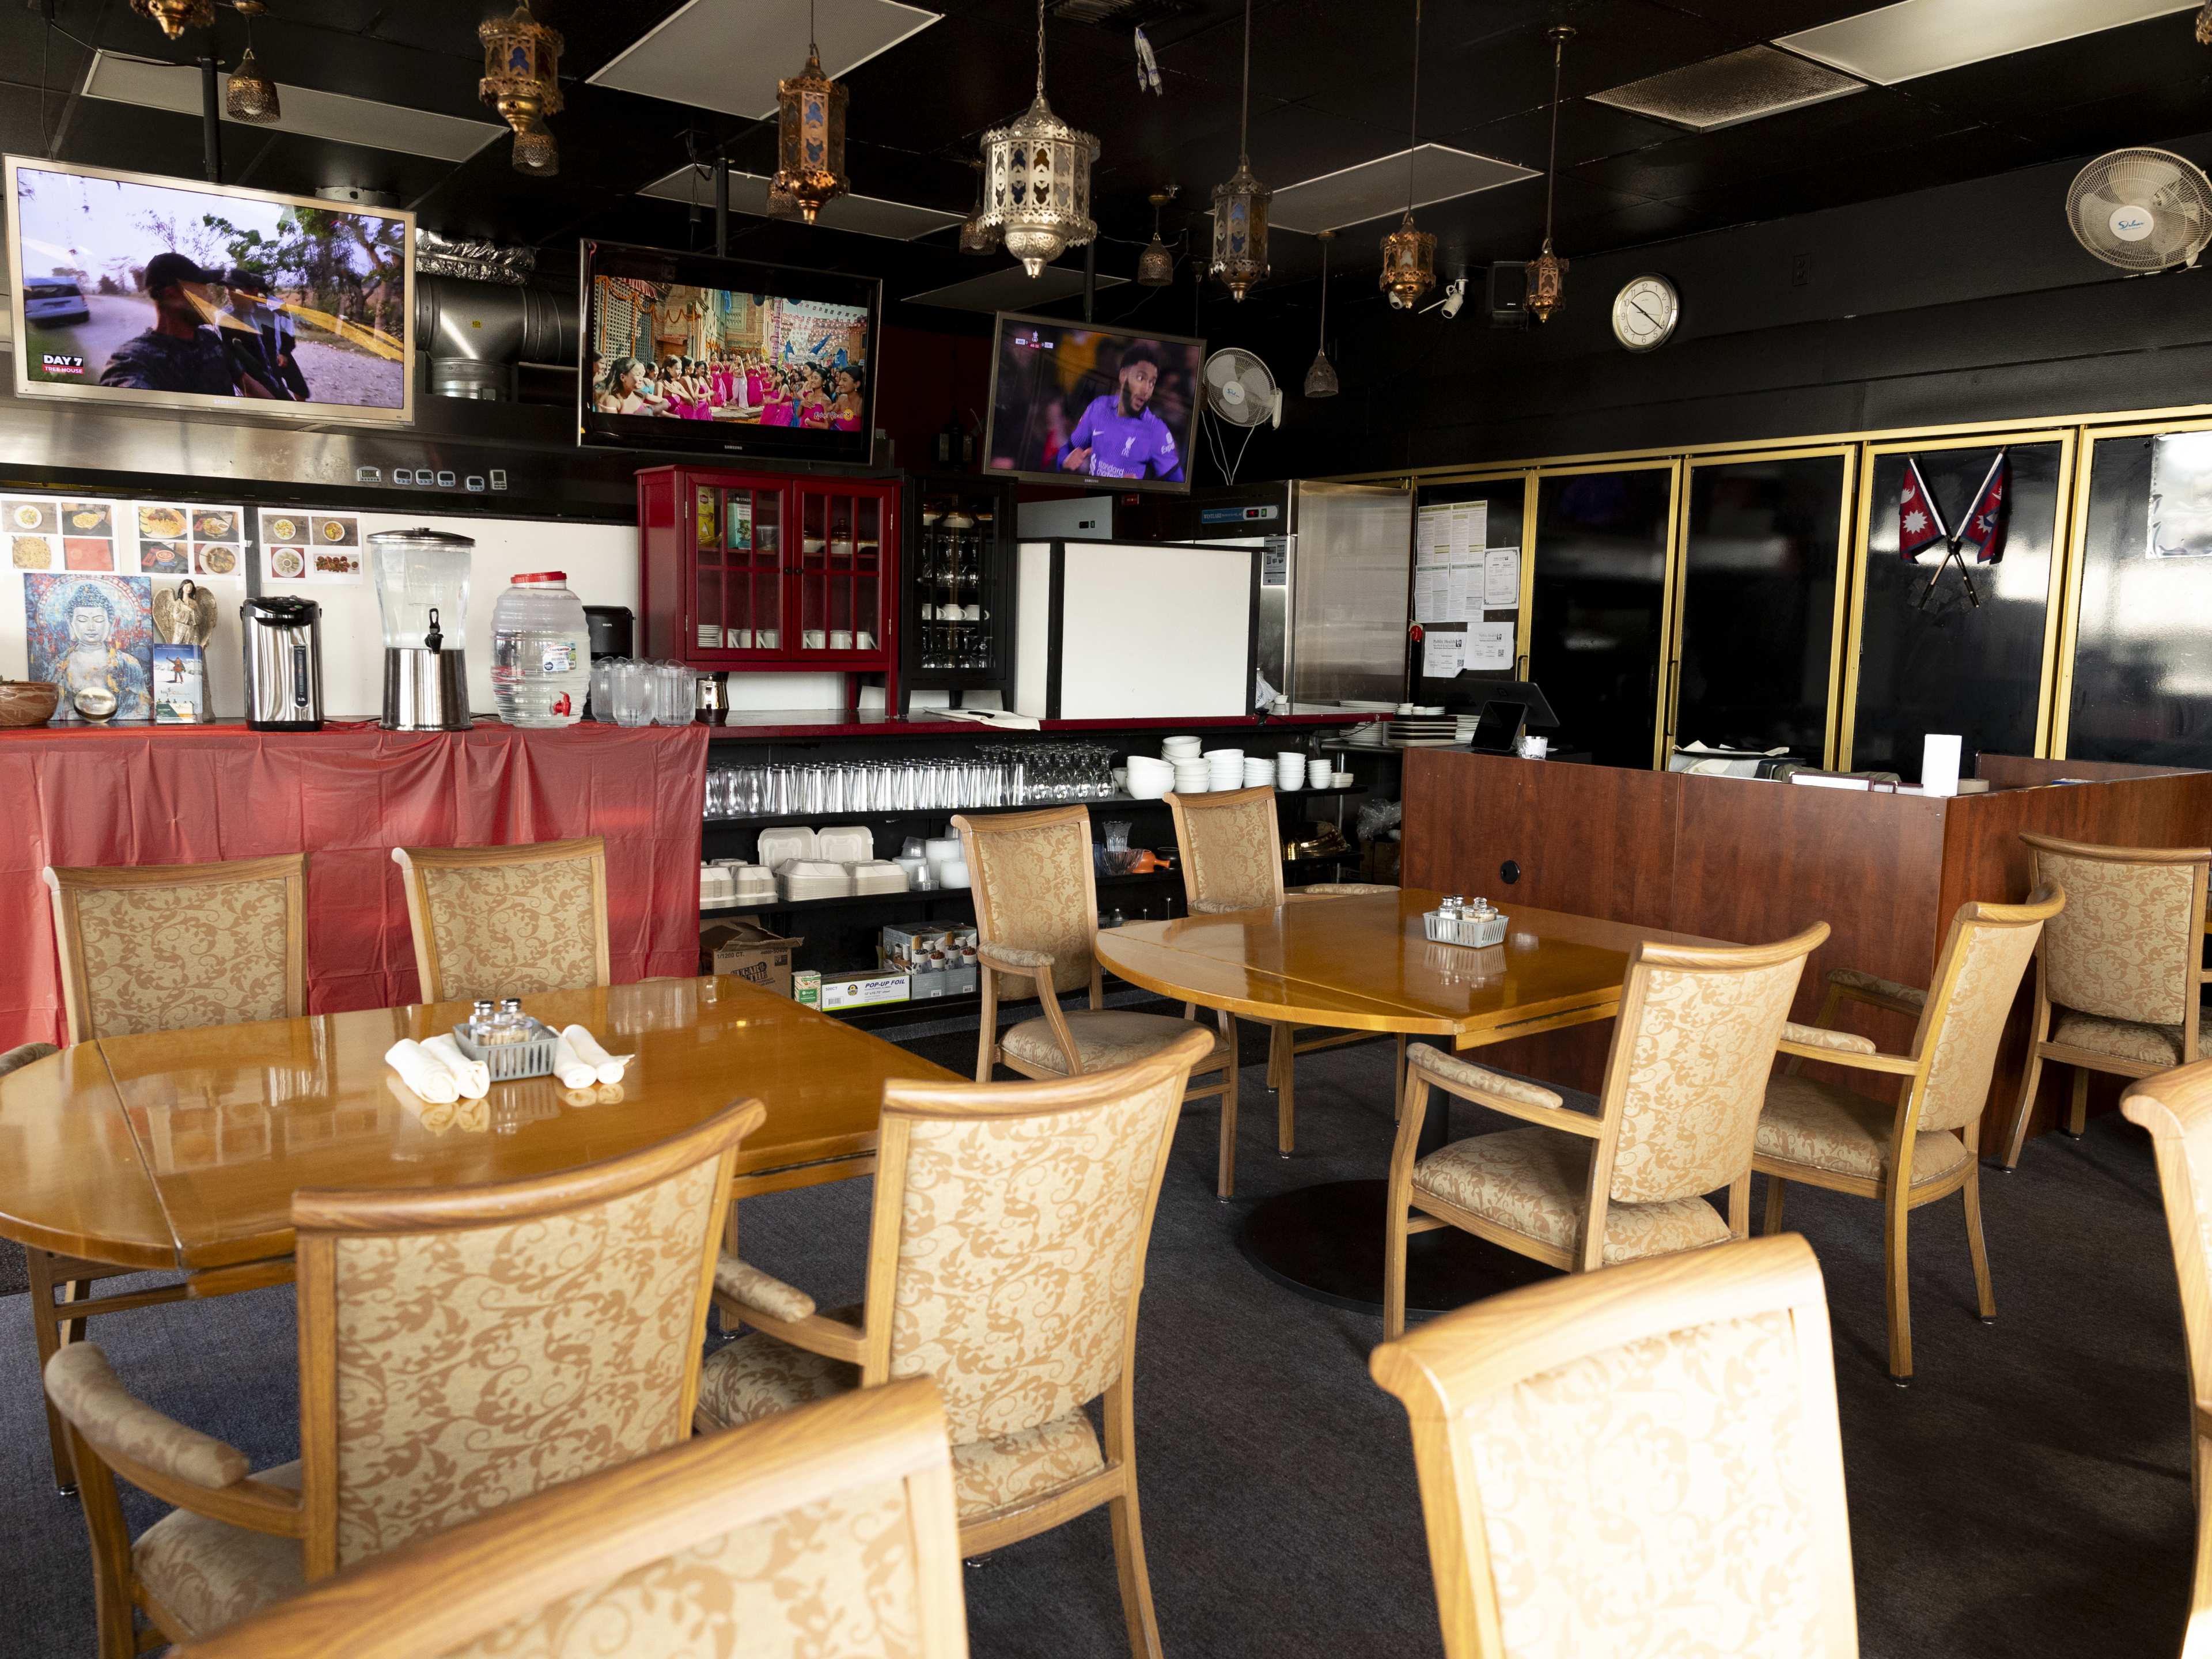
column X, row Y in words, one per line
column 1290, row 768
column 1257, row 772
column 1224, row 768
column 1191, row 776
column 1178, row 748
column 1150, row 778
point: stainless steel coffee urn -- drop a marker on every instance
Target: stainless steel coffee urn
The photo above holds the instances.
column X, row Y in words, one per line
column 421, row 579
column 283, row 664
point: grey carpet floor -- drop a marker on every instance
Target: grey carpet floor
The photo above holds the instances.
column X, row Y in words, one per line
column 2029, row 1494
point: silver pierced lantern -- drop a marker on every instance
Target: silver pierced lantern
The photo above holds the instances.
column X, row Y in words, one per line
column 1240, row 231
column 811, row 156
column 1037, row 180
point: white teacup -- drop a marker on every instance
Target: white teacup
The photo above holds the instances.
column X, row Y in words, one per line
column 812, row 639
column 841, row 639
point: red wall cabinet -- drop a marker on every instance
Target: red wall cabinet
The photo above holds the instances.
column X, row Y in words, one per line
column 770, row 571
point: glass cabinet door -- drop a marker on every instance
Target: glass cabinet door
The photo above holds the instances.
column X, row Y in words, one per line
column 1758, row 611
column 1935, row 648
column 840, row 571
column 738, row 570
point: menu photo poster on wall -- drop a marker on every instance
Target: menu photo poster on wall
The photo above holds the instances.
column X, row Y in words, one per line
column 302, row 546
column 2180, row 496
column 184, row 538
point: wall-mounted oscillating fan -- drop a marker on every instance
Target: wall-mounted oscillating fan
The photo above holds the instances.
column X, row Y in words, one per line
column 2142, row 209
column 1240, row 390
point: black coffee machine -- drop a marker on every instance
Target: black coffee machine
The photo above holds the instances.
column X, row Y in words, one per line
column 613, row 631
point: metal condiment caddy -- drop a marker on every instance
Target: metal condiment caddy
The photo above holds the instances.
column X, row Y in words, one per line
column 1475, row 922
column 507, row 1041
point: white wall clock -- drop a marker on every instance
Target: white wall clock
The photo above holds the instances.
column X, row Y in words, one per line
column 1644, row 312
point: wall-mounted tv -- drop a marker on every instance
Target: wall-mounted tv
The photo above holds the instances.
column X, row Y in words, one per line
column 688, row 350
column 1074, row 403
column 127, row 288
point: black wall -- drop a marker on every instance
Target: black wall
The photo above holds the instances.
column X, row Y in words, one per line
column 1969, row 302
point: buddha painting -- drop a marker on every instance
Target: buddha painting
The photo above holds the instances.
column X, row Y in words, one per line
column 92, row 632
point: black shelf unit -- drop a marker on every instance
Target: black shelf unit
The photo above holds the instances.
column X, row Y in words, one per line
column 1096, row 804
column 964, row 567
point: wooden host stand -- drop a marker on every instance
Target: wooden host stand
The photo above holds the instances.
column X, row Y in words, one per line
column 1748, row 861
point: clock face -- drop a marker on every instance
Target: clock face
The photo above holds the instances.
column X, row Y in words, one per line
column 1644, row 313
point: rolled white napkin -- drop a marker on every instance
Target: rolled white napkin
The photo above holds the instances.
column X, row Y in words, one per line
column 420, row 1071
column 472, row 1077
column 608, row 1068
column 572, row 1070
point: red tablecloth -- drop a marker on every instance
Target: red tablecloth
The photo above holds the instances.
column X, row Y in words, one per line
column 346, row 795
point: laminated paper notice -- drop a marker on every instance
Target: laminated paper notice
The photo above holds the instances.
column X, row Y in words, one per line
column 1501, row 579
column 1443, row 655
column 1489, row 646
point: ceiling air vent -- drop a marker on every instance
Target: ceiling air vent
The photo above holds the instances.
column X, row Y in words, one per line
column 1729, row 90
column 1120, row 14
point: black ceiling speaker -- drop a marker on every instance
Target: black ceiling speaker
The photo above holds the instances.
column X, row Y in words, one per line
column 1509, row 294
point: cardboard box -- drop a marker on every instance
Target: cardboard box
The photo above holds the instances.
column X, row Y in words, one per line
column 863, row 990
column 746, row 950
column 907, row 949
column 806, row 988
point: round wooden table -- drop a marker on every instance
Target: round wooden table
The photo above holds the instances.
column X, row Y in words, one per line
column 1362, row 963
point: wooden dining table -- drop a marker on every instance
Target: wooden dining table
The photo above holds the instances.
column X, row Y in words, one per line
column 1363, row 963
column 181, row 1150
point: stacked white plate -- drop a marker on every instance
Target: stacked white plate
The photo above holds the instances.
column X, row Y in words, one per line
column 1257, row 772
column 1150, row 778
column 1194, row 777
column 802, row 879
column 1224, row 768
column 1290, row 768
column 1424, row 731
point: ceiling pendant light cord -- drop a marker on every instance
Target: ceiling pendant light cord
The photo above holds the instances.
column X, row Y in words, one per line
column 1414, row 126
column 1551, row 170
column 1244, row 112
column 813, row 46
column 1040, row 50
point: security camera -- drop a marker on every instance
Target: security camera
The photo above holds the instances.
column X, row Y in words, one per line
column 1455, row 296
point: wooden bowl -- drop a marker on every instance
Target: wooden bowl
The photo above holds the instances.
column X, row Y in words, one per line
column 26, row 702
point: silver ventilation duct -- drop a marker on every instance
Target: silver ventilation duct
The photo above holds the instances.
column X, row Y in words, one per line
column 473, row 333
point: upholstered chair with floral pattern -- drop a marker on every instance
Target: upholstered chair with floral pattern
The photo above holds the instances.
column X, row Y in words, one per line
column 1231, row 845
column 826, row 1529
column 506, row 921
column 2119, row 970
column 1037, row 919
column 162, row 947
column 1692, row 1047
column 2176, row 1107
column 1645, row 1461
column 1005, row 1260
column 1922, row 1147
column 459, row 1348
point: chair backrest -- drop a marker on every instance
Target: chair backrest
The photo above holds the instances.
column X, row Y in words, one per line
column 161, row 947
column 461, row 1347
column 2128, row 943
column 1693, row 1048
column 751, row 1544
column 1642, row 1461
column 2176, row 1107
column 1008, row 1244
column 1034, row 887
column 1977, row 978
column 1231, row 849
column 506, row 921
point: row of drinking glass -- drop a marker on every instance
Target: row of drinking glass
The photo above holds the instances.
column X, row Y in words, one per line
column 627, row 692
column 764, row 792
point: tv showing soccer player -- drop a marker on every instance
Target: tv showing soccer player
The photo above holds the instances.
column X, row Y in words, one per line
column 130, row 289
column 697, row 351
column 1074, row 403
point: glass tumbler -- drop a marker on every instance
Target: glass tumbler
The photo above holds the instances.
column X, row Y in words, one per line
column 632, row 693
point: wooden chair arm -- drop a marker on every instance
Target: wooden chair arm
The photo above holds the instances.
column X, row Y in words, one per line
column 1819, row 1036
column 1876, row 992
column 1011, row 959
column 833, row 1338
column 754, row 1292
column 1896, row 1065
column 1530, row 1101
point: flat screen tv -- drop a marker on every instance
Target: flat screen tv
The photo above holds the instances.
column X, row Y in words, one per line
column 688, row 350
column 130, row 289
column 1074, row 403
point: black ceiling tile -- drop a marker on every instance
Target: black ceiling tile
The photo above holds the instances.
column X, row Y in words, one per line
column 1770, row 19
column 1587, row 131
column 1842, row 180
column 2157, row 62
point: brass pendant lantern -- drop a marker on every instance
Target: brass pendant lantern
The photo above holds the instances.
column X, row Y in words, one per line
column 251, row 97
column 1547, row 276
column 811, row 128
column 1409, row 254
column 1155, row 266
column 2204, row 25
column 1036, row 179
column 522, row 81
column 1320, row 379
column 1240, row 206
column 175, row 16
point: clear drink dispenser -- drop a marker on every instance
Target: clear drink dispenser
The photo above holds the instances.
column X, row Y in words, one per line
column 421, row 579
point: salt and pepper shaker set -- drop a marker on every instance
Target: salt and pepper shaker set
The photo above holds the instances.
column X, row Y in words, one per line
column 487, row 1027
column 1461, row 921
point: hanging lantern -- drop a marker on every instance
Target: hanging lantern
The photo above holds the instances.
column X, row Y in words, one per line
column 2204, row 25
column 1036, row 179
column 1240, row 206
column 251, row 97
column 1409, row 254
column 1409, row 263
column 811, row 127
column 1155, row 266
column 175, row 16
column 522, row 81
column 1547, row 276
column 1320, row 379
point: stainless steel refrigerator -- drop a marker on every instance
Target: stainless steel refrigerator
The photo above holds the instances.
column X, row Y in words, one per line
column 1335, row 576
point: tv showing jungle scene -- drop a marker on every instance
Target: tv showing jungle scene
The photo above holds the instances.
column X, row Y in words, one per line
column 130, row 289
column 684, row 350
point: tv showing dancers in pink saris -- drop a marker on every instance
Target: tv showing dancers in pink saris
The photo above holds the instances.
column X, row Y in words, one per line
column 677, row 352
